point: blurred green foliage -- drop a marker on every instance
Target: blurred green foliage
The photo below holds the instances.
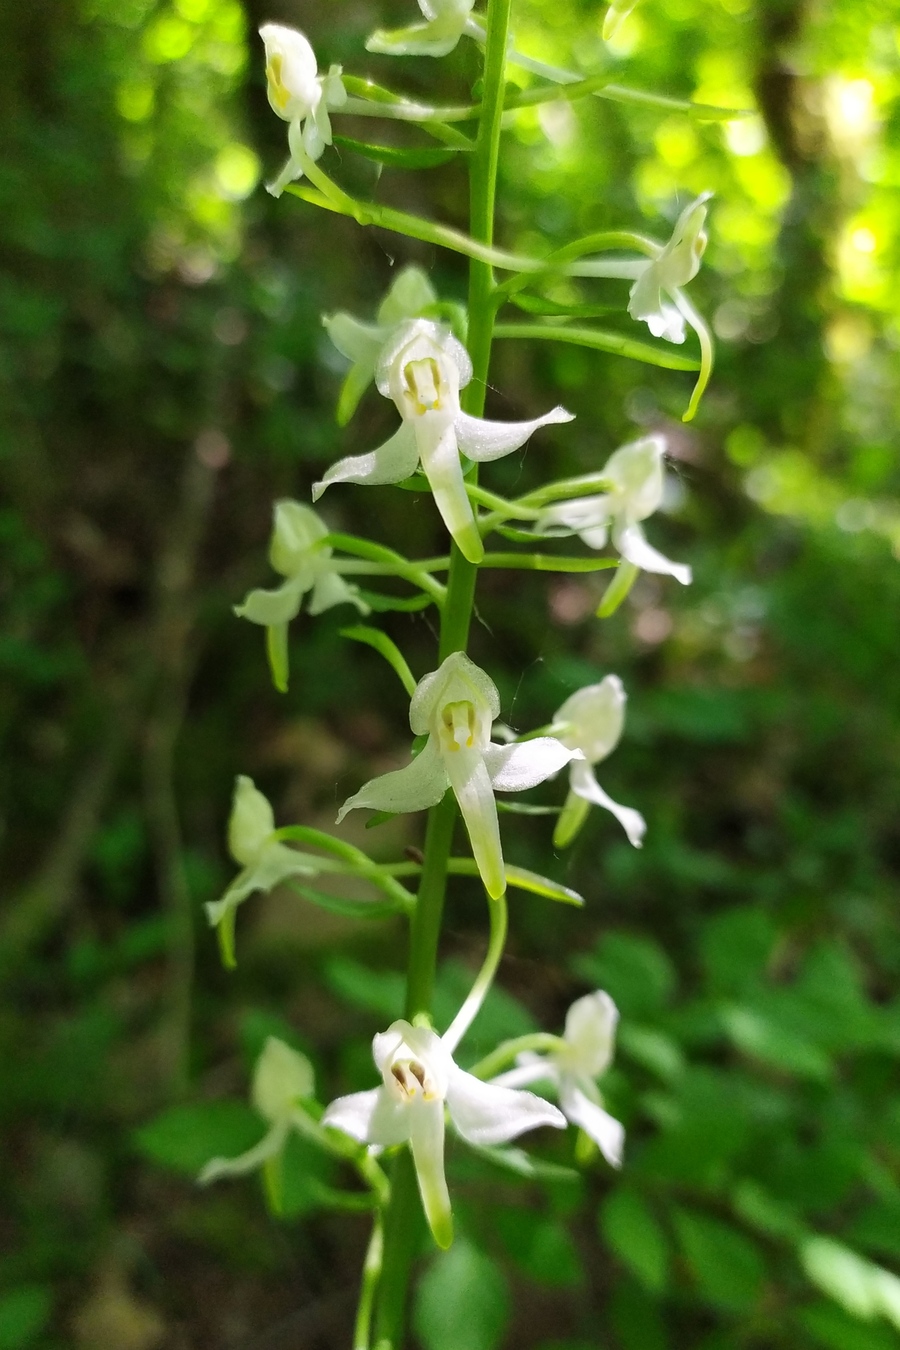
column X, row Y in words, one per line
column 164, row 378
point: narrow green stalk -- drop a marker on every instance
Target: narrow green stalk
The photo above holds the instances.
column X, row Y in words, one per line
column 477, row 994
column 403, row 1221
column 498, row 1059
column 370, row 1277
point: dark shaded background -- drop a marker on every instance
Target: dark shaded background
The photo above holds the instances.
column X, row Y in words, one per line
column 164, row 378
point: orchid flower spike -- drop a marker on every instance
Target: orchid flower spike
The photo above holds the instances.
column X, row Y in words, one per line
column 455, row 706
column 656, row 295
column 591, row 721
column 636, row 480
column 584, row 1053
column 282, row 1079
column 423, row 370
column 265, row 860
column 420, row 1081
column 410, row 295
column 300, row 96
column 296, row 551
column 445, row 23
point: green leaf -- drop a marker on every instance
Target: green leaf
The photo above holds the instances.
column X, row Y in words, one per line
column 652, row 1049
column 541, row 1247
column 378, row 991
column 861, row 1287
column 636, row 972
column 397, row 157
column 633, row 1232
column 462, row 1302
column 726, row 1265
column 185, row 1137
column 599, row 340
column 768, row 1040
column 636, row 1318
column 373, row 637
column 837, row 1330
column 24, row 1313
column 523, row 880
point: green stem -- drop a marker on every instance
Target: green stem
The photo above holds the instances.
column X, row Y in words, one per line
column 403, row 1216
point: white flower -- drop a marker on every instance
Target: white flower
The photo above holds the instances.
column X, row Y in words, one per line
column 455, row 707
column 265, row 860
column 591, row 721
column 636, row 480
column 585, row 1052
column 297, row 553
column 420, row 1080
column 445, row 23
column 423, row 370
column 300, row 96
column 656, row 295
column 281, row 1080
column 410, row 295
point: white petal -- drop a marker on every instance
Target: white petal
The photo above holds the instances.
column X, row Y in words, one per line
column 471, row 783
column 331, row 589
column 513, row 768
column 271, row 608
column 634, row 547
column 270, row 1145
column 590, row 1034
column 275, row 863
column 584, row 784
column 291, row 171
column 372, row 1117
column 483, row 440
column 530, row 1069
column 457, row 680
column 420, row 39
column 251, row 822
column 390, row 463
column 635, row 472
column 426, row 1140
column 440, row 463
column 359, row 342
column 420, row 785
column 596, row 716
column 607, row 1132
column 410, row 293
column 282, row 1075
column 296, row 531
column 486, row 1114
column 583, row 514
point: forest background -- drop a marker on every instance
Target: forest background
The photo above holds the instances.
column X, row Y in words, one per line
column 165, row 377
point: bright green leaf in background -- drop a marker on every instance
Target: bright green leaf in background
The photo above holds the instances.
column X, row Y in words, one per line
column 462, row 1301
column 636, row 1236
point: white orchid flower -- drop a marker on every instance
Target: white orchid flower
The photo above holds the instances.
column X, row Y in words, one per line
column 410, row 295
column 297, row 553
column 591, row 721
column 420, row 1081
column 445, row 23
column 265, row 860
column 584, row 1053
column 300, row 96
column 636, row 480
column 455, row 706
column 281, row 1080
column 423, row 370
column 656, row 295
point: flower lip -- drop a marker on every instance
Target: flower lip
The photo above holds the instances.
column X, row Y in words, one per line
column 291, row 71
